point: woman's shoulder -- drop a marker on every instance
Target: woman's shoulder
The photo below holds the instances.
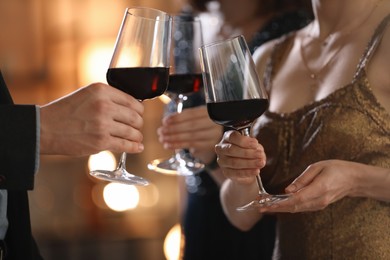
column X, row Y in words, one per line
column 265, row 53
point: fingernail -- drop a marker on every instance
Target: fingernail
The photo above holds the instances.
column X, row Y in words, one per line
column 141, row 147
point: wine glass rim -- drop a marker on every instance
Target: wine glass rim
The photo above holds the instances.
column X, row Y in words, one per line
column 165, row 15
column 223, row 41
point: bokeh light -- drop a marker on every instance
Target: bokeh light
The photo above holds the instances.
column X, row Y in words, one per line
column 150, row 195
column 120, row 197
column 94, row 60
column 165, row 99
column 104, row 160
column 173, row 243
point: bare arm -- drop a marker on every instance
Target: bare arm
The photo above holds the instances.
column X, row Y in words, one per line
column 240, row 158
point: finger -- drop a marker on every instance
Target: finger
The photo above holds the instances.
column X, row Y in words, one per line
column 188, row 114
column 179, row 128
column 190, row 137
column 236, row 138
column 127, row 116
column 121, row 98
column 295, row 205
column 118, row 113
column 123, row 145
column 305, row 178
column 125, row 132
column 192, row 125
column 239, row 152
column 240, row 163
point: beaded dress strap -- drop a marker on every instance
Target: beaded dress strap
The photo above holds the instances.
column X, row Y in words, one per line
column 371, row 47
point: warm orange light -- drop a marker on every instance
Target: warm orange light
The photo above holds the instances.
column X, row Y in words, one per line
column 172, row 243
column 104, row 160
column 94, row 60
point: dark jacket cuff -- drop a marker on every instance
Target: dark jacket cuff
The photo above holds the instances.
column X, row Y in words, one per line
column 17, row 146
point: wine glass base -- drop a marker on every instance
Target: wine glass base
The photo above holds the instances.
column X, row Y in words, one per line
column 264, row 200
column 119, row 176
column 172, row 166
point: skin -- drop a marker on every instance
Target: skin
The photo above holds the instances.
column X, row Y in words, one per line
column 193, row 129
column 324, row 182
column 91, row 119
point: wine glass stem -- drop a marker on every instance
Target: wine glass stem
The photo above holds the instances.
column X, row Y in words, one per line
column 179, row 108
column 246, row 132
column 260, row 185
column 122, row 161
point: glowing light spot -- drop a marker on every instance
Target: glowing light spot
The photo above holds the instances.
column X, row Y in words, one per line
column 150, row 195
column 173, row 243
column 104, row 160
column 120, row 197
column 165, row 99
column 94, row 60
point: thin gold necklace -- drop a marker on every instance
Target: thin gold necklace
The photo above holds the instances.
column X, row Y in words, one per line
column 314, row 75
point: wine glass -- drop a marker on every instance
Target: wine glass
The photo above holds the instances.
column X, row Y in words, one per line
column 234, row 95
column 139, row 67
column 185, row 79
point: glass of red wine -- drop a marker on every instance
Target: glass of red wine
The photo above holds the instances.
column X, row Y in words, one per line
column 185, row 79
column 140, row 68
column 235, row 96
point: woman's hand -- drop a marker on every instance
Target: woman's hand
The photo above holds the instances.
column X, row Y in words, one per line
column 240, row 157
column 320, row 185
column 91, row 119
column 191, row 129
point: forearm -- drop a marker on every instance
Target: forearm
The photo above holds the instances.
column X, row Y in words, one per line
column 234, row 195
column 373, row 182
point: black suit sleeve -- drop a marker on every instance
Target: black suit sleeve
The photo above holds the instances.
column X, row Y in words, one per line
column 17, row 142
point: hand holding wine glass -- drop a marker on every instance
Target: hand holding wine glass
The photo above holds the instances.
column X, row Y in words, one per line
column 234, row 95
column 185, row 79
column 139, row 67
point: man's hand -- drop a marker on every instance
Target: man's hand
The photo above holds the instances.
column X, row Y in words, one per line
column 94, row 118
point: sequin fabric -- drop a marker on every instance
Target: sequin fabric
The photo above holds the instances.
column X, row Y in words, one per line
column 349, row 124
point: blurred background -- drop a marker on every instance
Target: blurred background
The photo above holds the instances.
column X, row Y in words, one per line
column 51, row 48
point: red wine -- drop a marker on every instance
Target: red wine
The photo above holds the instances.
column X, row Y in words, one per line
column 237, row 114
column 141, row 83
column 185, row 83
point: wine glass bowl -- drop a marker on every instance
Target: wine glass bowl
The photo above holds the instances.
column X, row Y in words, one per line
column 185, row 79
column 140, row 68
column 235, row 96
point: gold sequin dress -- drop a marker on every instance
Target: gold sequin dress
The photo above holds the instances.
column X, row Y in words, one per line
column 349, row 124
